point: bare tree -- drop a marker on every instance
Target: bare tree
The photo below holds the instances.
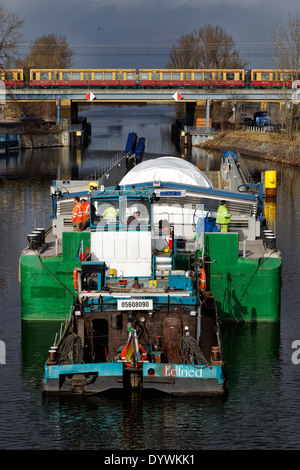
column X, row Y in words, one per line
column 286, row 44
column 49, row 51
column 286, row 47
column 207, row 47
column 10, row 35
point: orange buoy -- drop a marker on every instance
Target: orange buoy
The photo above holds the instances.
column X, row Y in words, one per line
column 75, row 278
column 202, row 280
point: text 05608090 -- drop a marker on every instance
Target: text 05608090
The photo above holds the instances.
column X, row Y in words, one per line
column 135, row 304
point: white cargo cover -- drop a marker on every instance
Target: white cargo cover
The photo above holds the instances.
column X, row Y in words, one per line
column 168, row 170
column 127, row 252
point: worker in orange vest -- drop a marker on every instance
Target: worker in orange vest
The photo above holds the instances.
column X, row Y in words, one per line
column 77, row 215
column 86, row 213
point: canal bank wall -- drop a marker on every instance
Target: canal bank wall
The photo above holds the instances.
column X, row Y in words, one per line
column 43, row 134
column 267, row 146
column 33, row 141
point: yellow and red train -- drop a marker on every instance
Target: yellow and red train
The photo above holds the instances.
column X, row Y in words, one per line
column 149, row 78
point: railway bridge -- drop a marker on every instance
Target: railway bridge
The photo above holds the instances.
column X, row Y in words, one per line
column 197, row 101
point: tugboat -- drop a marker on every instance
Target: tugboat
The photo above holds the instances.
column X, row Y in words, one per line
column 138, row 336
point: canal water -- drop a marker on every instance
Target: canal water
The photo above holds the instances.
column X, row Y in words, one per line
column 261, row 410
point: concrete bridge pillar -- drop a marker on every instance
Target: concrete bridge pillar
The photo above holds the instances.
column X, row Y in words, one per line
column 68, row 110
column 202, row 114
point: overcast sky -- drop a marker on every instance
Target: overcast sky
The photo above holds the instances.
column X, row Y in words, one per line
column 138, row 33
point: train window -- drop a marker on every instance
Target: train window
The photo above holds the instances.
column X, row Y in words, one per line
column 107, row 76
column 8, row 76
column 33, row 76
column 143, row 76
column 230, row 76
column 130, row 75
column 76, row 76
column 44, row 76
column 18, row 76
column 265, row 76
column 287, row 76
column 66, row 76
column 166, row 76
column 98, row 76
column 176, row 76
column 120, row 75
column 198, row 76
column 207, row 76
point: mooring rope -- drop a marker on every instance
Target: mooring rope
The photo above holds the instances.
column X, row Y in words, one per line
column 252, row 273
column 190, row 347
column 67, row 353
column 53, row 275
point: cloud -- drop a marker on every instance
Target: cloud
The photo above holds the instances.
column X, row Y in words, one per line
column 99, row 30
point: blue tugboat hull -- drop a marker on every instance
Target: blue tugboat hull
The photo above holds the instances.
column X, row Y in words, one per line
column 174, row 379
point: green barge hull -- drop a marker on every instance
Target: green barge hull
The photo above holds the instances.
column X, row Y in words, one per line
column 47, row 290
column 245, row 289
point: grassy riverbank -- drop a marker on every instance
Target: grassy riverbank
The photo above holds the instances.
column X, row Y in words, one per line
column 267, row 145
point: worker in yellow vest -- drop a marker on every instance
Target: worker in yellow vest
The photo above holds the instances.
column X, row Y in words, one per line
column 111, row 213
column 223, row 217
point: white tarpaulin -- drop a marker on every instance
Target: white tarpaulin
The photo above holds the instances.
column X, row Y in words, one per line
column 168, row 170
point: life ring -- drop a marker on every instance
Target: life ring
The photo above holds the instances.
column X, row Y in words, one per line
column 202, row 280
column 75, row 278
column 142, row 351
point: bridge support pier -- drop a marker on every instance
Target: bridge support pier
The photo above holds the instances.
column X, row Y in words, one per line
column 67, row 110
column 198, row 114
column 202, row 114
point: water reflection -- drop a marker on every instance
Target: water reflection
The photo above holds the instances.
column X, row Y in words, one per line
column 134, row 422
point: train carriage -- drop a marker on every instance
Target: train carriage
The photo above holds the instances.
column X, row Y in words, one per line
column 45, row 78
column 149, row 78
column 198, row 78
column 273, row 78
column 12, row 77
